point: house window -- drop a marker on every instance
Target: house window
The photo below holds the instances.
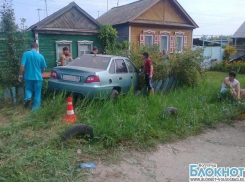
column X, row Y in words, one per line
column 60, row 45
column 179, row 43
column 84, row 47
column 149, row 40
column 164, row 42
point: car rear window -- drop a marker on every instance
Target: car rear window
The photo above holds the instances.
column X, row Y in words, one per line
column 91, row 61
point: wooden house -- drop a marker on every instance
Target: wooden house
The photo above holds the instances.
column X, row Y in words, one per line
column 69, row 27
column 148, row 22
column 239, row 40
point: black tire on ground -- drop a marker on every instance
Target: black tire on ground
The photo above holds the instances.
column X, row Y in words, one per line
column 114, row 94
column 78, row 129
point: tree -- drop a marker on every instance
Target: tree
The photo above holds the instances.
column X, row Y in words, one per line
column 14, row 46
column 108, row 36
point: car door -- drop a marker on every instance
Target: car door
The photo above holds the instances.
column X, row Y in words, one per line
column 123, row 78
column 133, row 74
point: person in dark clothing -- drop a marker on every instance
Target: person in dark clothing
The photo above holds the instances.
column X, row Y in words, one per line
column 148, row 70
column 95, row 50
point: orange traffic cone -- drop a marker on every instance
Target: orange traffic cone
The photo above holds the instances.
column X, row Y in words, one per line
column 70, row 117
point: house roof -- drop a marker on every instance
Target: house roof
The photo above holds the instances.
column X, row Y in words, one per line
column 129, row 12
column 240, row 33
column 60, row 12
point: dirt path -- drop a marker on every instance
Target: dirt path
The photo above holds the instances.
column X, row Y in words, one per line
column 170, row 163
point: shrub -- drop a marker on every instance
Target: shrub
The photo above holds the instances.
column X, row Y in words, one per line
column 229, row 50
column 15, row 45
column 186, row 66
column 219, row 66
column 108, row 36
column 224, row 66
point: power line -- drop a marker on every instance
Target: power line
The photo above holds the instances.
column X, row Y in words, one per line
column 219, row 23
column 201, row 14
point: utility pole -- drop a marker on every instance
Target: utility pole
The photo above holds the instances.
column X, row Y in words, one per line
column 39, row 13
column 117, row 2
column 46, row 7
column 221, row 42
column 98, row 14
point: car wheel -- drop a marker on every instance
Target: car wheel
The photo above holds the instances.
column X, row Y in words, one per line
column 114, row 94
column 76, row 130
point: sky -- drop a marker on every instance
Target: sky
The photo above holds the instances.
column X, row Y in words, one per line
column 214, row 17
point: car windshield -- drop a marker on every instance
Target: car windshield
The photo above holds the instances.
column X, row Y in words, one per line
column 91, row 61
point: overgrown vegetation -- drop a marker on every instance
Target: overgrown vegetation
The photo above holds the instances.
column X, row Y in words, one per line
column 225, row 66
column 108, row 36
column 185, row 66
column 30, row 142
column 14, row 47
column 229, row 51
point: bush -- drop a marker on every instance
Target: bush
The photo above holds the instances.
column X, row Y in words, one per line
column 186, row 66
column 224, row 66
column 15, row 45
column 219, row 66
column 229, row 50
column 108, row 36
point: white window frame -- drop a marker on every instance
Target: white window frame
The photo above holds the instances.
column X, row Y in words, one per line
column 152, row 39
column 84, row 42
column 61, row 42
column 182, row 46
column 167, row 42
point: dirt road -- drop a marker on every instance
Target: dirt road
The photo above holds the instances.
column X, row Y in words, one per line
column 170, row 163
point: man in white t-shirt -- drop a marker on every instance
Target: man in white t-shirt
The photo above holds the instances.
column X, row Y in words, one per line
column 232, row 85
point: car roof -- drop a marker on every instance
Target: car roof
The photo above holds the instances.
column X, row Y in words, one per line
column 102, row 55
column 240, row 56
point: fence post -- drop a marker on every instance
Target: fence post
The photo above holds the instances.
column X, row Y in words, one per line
column 7, row 94
column 14, row 94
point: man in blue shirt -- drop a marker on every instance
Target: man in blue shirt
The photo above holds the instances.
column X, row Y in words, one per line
column 33, row 65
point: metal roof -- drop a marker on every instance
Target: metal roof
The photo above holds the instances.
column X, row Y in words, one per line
column 129, row 12
column 60, row 12
column 240, row 33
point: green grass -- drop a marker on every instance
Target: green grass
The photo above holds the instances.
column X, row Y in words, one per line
column 30, row 142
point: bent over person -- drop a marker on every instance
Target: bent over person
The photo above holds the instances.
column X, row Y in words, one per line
column 33, row 65
column 232, row 86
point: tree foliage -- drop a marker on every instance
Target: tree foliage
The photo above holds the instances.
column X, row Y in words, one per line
column 14, row 45
column 108, row 36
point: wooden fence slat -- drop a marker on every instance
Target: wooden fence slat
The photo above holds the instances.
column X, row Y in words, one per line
column 165, row 85
column 158, row 86
column 7, row 94
column 20, row 93
column 14, row 94
column 154, row 84
column 144, row 90
column 173, row 83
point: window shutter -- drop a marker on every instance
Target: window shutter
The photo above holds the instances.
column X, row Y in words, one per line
column 156, row 39
column 185, row 41
column 174, row 40
column 171, row 43
column 142, row 39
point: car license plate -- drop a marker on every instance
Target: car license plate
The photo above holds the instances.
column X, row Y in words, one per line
column 71, row 78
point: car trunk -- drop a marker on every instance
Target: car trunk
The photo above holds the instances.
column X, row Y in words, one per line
column 74, row 74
